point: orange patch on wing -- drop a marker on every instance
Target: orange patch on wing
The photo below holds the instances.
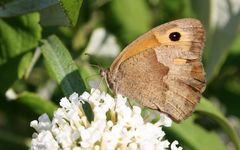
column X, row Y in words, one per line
column 179, row 61
column 143, row 43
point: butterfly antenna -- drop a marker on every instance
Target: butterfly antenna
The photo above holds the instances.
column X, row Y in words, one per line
column 101, row 70
column 97, row 66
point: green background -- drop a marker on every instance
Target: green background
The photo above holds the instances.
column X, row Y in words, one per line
column 42, row 58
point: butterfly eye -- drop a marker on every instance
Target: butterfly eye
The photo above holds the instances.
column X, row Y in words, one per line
column 174, row 36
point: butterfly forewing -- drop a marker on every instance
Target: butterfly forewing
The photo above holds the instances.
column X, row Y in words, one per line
column 162, row 69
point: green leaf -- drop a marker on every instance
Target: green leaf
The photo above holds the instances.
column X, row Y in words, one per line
column 18, row 35
column 72, row 9
column 64, row 70
column 36, row 103
column 133, row 16
column 65, row 12
column 13, row 70
column 205, row 107
column 19, row 7
column 61, row 65
column 53, row 12
column 192, row 136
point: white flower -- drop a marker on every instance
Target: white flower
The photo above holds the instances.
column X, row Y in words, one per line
column 44, row 140
column 174, row 146
column 115, row 126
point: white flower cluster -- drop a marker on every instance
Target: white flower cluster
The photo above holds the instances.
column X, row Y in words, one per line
column 115, row 126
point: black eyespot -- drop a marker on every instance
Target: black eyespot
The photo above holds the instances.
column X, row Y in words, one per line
column 174, row 36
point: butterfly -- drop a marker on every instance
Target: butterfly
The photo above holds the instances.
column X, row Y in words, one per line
column 162, row 69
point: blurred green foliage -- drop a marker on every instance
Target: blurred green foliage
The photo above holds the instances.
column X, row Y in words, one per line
column 37, row 69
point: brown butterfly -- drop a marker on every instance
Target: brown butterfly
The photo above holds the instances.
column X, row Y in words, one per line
column 162, row 69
